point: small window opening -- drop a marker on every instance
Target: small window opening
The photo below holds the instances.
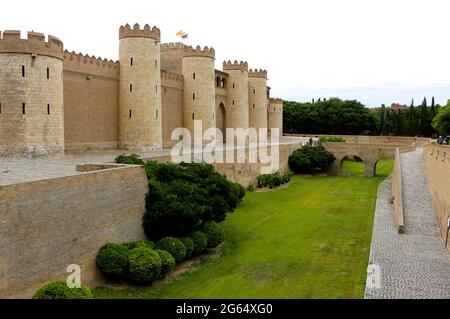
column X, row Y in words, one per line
column 48, row 109
column 23, row 71
column 131, row 87
column 193, row 76
column 193, row 96
column 193, row 116
column 23, row 108
column 48, row 73
column 131, row 61
column 130, row 114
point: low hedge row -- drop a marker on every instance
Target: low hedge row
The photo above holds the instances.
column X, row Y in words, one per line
column 273, row 180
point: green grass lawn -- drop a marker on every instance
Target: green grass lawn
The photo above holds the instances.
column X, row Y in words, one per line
column 310, row 240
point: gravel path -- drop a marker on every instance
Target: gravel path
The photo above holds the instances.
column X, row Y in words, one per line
column 414, row 264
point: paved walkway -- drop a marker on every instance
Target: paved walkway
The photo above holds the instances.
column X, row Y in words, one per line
column 414, row 264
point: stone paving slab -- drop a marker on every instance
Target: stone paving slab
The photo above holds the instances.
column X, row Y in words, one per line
column 414, row 264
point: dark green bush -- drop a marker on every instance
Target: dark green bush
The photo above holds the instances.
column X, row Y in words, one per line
column 112, row 259
column 140, row 243
column 299, row 163
column 132, row 159
column 310, row 159
column 189, row 246
column 200, row 242
column 273, row 180
column 185, row 195
column 167, row 262
column 144, row 265
column 58, row 290
column 214, row 233
column 174, row 247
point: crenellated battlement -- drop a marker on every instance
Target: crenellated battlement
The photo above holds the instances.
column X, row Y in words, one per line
column 11, row 42
column 78, row 62
column 257, row 73
column 276, row 101
column 243, row 66
column 206, row 52
column 136, row 32
column 172, row 45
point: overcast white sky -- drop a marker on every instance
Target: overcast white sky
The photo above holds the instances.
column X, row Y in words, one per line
column 377, row 51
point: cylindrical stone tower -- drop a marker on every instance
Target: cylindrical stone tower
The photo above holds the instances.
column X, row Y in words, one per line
column 199, row 100
column 257, row 97
column 31, row 94
column 140, row 120
column 237, row 90
column 275, row 115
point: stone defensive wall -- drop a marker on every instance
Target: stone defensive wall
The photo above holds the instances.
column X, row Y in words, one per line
column 90, row 65
column 91, row 102
column 48, row 225
column 437, row 163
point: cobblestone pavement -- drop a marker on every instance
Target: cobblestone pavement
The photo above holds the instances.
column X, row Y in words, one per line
column 414, row 264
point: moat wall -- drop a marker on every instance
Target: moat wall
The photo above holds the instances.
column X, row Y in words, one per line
column 437, row 163
column 50, row 224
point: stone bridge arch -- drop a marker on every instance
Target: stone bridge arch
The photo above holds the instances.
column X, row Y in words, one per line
column 370, row 154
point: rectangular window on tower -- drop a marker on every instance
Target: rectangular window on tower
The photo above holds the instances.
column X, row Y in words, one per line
column 48, row 109
column 156, row 63
column 193, row 116
column 193, row 96
column 131, row 61
column 129, row 115
column 23, row 108
column 0, row 108
column 193, row 76
column 156, row 114
column 156, row 89
column 48, row 73
column 131, row 87
column 23, row 71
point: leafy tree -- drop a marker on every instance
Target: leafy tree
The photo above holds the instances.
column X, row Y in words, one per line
column 441, row 121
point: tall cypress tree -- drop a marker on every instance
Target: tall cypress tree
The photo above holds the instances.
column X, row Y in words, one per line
column 412, row 123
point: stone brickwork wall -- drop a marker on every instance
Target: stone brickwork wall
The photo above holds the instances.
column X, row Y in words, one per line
column 437, row 163
column 91, row 103
column 172, row 105
column 50, row 224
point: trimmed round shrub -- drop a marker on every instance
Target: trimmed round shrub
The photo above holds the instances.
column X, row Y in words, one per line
column 58, row 290
column 189, row 246
column 174, row 247
column 112, row 259
column 214, row 233
column 141, row 243
column 168, row 262
column 200, row 242
column 144, row 265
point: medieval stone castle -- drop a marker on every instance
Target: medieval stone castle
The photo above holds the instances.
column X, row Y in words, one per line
column 52, row 100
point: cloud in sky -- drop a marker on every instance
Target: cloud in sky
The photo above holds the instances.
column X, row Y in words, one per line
column 379, row 51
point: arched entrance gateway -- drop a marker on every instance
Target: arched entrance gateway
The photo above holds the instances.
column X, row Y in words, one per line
column 221, row 119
